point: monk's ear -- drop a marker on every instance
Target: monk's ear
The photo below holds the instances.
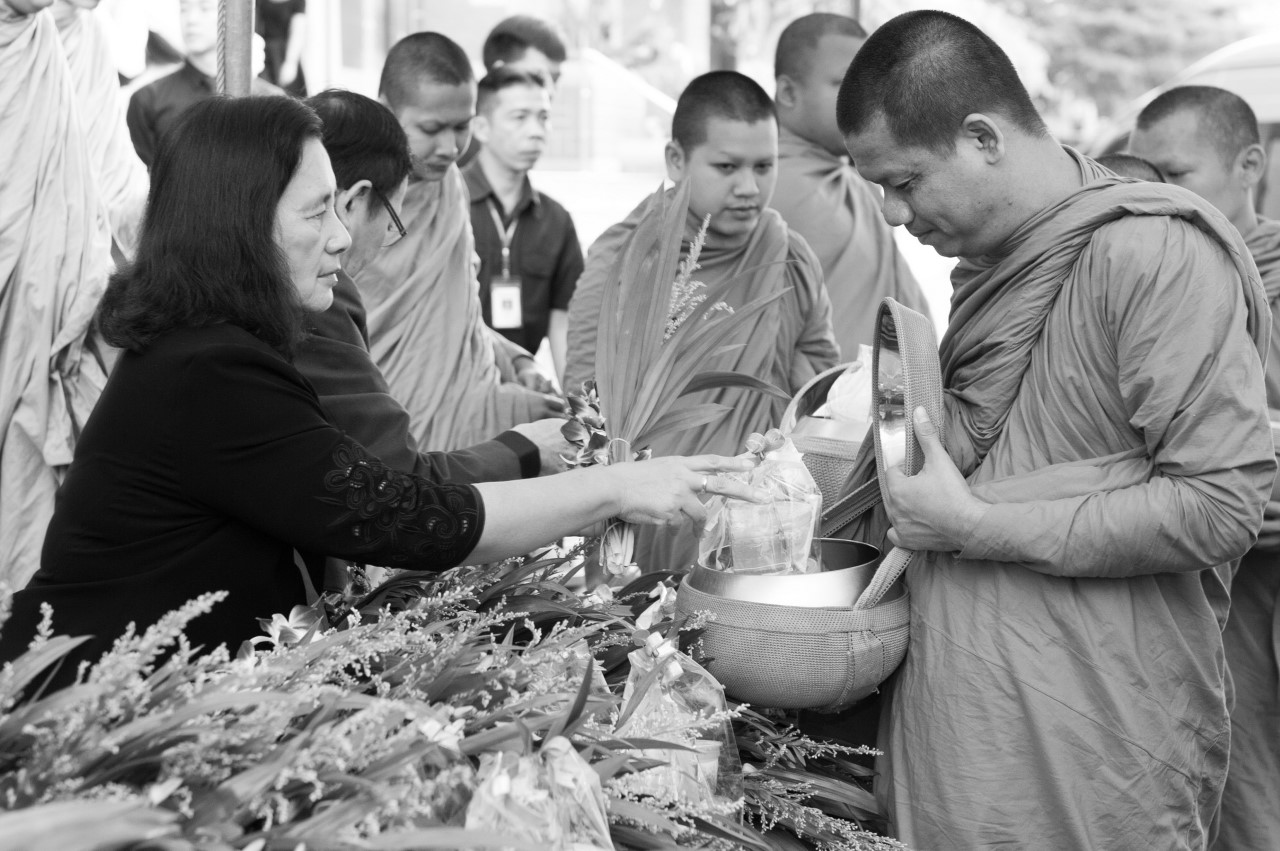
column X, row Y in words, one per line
column 1251, row 164
column 982, row 133
column 786, row 94
column 676, row 161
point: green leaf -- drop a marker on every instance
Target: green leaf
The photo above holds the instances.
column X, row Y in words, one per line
column 683, row 419
column 713, row 379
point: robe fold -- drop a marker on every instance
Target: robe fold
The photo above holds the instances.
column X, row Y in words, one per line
column 838, row 213
column 54, row 259
column 122, row 178
column 426, row 331
column 1250, row 802
column 1065, row 686
column 786, row 344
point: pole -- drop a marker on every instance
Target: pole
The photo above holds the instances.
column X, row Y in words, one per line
column 235, row 46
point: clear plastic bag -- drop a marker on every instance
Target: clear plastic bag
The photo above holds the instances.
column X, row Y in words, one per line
column 772, row 537
column 552, row 799
column 684, row 705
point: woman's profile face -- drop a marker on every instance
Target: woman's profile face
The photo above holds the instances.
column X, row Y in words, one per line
column 308, row 231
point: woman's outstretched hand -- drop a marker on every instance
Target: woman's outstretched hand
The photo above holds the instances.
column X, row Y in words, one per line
column 665, row 491
column 934, row 509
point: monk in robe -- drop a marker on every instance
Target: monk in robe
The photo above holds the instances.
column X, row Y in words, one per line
column 55, row 254
column 122, row 178
column 820, row 195
column 1206, row 139
column 460, row 382
column 724, row 142
column 370, row 156
column 1104, row 460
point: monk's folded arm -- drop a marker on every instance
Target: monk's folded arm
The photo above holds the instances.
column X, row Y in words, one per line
column 1191, row 383
column 817, row 345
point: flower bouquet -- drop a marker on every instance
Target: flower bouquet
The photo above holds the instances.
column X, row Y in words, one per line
column 411, row 728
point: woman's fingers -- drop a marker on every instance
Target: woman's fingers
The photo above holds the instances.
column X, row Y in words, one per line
column 720, row 463
column 734, row 489
column 695, row 513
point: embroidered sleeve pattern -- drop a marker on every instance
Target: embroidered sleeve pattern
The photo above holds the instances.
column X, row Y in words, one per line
column 387, row 510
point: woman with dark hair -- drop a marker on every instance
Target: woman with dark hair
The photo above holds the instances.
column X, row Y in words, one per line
column 209, row 460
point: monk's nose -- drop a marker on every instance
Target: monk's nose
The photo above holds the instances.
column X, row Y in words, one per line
column 896, row 211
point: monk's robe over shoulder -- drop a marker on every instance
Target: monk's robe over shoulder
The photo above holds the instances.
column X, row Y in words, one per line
column 1065, row 685
column 122, row 178
column 426, row 331
column 55, row 254
column 786, row 344
column 826, row 201
column 1250, row 817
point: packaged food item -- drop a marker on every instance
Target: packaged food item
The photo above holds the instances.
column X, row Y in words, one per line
column 682, row 704
column 775, row 536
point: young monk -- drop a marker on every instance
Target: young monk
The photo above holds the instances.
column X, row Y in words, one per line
column 819, row 193
column 55, row 254
column 1206, row 139
column 426, row 332
column 1107, row 458
column 724, row 141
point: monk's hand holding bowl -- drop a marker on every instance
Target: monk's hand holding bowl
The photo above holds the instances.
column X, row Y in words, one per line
column 934, row 509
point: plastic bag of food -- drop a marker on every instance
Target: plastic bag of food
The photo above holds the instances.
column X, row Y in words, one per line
column 774, row 536
column 681, row 703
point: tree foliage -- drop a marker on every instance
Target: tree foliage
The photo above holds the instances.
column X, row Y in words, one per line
column 1111, row 51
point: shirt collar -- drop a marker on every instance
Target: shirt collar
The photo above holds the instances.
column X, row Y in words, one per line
column 196, row 76
column 480, row 190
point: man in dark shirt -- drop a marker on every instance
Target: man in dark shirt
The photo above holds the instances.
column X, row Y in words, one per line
column 155, row 108
column 530, row 258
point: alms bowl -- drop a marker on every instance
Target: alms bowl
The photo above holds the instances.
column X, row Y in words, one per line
column 847, row 570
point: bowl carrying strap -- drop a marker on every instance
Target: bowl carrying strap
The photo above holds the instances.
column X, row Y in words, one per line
column 922, row 382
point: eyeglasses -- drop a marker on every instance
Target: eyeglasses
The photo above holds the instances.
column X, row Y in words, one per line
column 393, row 236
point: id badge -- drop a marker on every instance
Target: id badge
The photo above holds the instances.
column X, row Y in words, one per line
column 504, row 303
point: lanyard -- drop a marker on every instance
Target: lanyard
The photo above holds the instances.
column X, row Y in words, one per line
column 505, row 234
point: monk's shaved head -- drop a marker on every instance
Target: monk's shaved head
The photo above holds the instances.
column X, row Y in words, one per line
column 718, row 94
column 1127, row 165
column 424, row 57
column 794, row 56
column 1224, row 119
column 923, row 72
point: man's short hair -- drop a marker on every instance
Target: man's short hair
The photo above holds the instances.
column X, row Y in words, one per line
column 1227, row 122
column 503, row 78
column 1128, row 165
column 794, row 56
column 364, row 140
column 718, row 94
column 923, row 72
column 509, row 40
column 422, row 57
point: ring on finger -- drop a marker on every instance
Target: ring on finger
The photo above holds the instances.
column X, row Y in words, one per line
column 702, row 490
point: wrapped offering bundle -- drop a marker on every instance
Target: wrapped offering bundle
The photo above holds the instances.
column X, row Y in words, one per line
column 772, row 537
column 681, row 703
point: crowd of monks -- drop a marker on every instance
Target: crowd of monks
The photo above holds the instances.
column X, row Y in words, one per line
column 1099, row 528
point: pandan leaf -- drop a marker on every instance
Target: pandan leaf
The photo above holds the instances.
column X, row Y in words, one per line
column 715, row 379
